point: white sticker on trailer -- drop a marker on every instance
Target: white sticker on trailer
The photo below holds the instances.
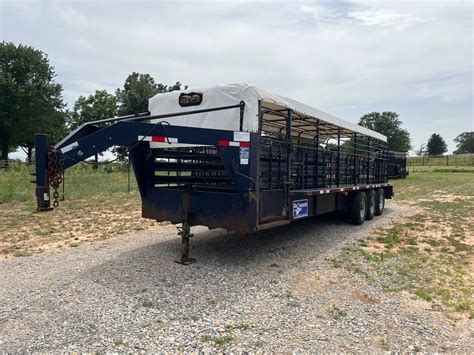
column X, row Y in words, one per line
column 242, row 136
column 69, row 147
column 244, row 155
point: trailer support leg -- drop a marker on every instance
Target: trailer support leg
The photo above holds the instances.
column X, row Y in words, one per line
column 185, row 230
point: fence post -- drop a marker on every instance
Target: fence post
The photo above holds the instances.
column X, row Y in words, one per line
column 447, row 160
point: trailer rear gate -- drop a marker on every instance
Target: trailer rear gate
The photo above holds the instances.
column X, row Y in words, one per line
column 270, row 161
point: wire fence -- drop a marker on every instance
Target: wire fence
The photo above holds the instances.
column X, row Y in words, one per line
column 458, row 160
column 17, row 181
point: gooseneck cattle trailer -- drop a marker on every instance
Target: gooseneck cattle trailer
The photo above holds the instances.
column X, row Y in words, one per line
column 233, row 157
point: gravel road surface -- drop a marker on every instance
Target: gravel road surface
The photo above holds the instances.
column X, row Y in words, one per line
column 271, row 291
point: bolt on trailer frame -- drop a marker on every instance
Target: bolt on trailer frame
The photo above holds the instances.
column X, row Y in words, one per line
column 293, row 166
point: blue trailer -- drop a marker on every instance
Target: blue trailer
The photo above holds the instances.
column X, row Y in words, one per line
column 233, row 157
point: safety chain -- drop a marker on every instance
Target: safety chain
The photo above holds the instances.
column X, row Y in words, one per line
column 55, row 173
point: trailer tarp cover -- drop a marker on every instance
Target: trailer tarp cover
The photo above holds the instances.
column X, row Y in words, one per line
column 233, row 94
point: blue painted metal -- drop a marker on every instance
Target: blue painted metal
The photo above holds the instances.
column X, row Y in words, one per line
column 42, row 182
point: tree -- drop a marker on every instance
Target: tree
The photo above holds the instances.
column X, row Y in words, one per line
column 30, row 100
column 137, row 89
column 436, row 145
column 53, row 123
column 388, row 124
column 133, row 98
column 421, row 152
column 95, row 107
column 464, row 143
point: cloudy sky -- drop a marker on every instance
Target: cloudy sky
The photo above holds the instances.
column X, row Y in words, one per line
column 344, row 57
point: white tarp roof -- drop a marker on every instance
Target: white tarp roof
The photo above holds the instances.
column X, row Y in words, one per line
column 232, row 94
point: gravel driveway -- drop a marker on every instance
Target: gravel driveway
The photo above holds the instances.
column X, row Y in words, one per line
column 271, row 291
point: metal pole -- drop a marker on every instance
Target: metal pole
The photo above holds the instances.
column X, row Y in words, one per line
column 356, row 161
column 317, row 154
column 338, row 157
column 288, row 145
column 368, row 160
column 128, row 172
column 43, row 202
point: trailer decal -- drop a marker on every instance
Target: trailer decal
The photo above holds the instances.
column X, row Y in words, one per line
column 244, row 155
column 242, row 136
column 300, row 208
column 158, row 139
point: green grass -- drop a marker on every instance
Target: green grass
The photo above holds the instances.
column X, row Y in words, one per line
column 338, row 313
column 147, row 304
column 428, row 184
column 392, row 237
column 240, row 326
column 424, row 295
column 80, row 181
column 119, row 342
column 220, row 341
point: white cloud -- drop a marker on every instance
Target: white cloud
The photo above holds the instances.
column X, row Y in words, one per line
column 386, row 18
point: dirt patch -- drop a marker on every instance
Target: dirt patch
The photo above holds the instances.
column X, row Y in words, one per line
column 363, row 297
column 24, row 232
column 442, row 196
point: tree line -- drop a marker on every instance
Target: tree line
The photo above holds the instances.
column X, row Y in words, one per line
column 399, row 140
column 31, row 101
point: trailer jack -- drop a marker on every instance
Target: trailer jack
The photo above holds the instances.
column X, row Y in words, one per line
column 185, row 233
column 185, row 229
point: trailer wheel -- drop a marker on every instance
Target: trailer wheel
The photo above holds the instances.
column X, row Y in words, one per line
column 371, row 205
column 379, row 202
column 358, row 208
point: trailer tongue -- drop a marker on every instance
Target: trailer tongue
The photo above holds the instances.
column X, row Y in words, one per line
column 244, row 160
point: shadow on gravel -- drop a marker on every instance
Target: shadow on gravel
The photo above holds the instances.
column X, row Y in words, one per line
column 231, row 254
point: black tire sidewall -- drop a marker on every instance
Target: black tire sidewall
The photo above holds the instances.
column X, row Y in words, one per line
column 368, row 215
column 380, row 194
column 355, row 207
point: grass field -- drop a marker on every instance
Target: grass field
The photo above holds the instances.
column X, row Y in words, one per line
column 428, row 252
column 97, row 205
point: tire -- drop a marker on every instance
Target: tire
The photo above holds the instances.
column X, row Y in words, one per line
column 379, row 202
column 358, row 209
column 371, row 203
